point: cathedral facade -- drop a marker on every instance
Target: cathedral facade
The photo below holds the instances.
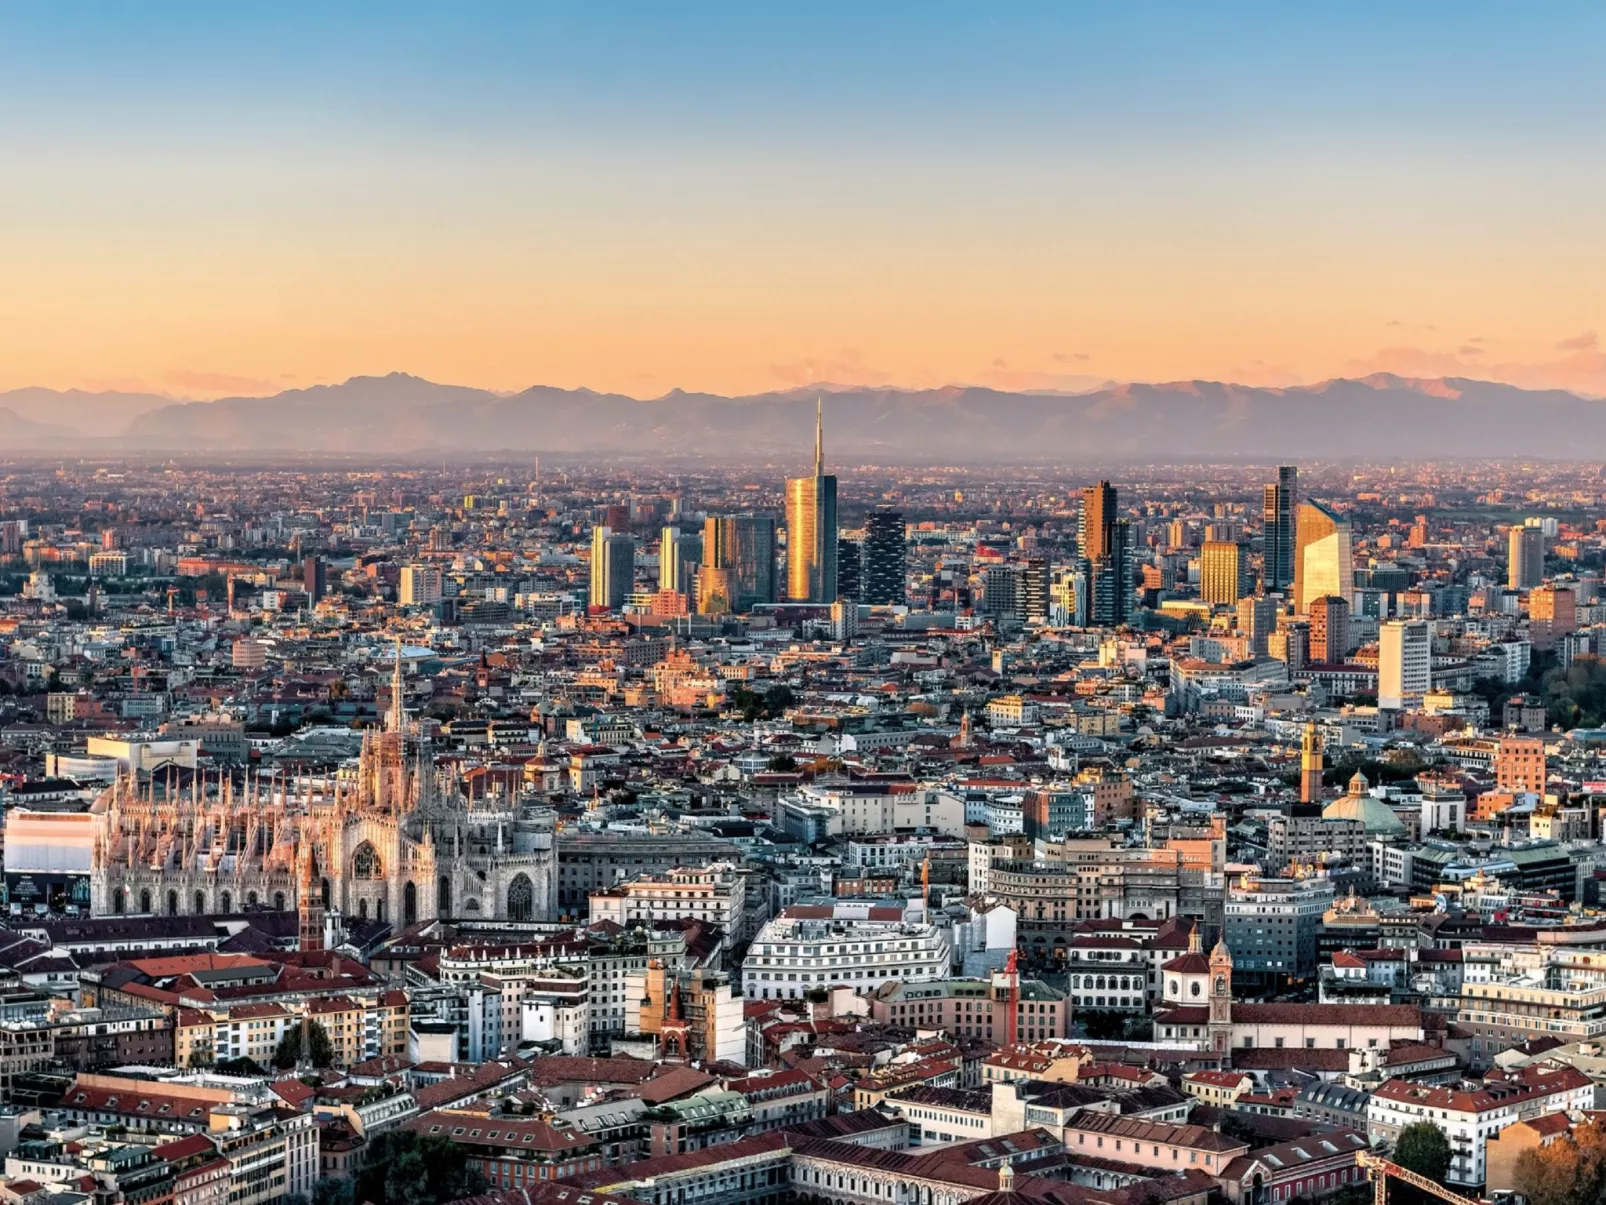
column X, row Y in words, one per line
column 393, row 839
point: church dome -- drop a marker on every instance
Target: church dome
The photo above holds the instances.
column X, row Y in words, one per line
column 1378, row 819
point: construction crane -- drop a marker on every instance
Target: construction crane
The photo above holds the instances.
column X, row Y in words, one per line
column 1379, row 1169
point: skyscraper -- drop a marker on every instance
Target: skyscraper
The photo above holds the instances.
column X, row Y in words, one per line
column 1404, row 662
column 885, row 559
column 1277, row 515
column 1033, row 603
column 1223, row 572
column 744, row 547
column 850, row 569
column 613, row 568
column 1096, row 525
column 1107, row 550
column 811, row 528
column 1525, row 557
column 1324, row 560
column 1329, row 629
column 314, row 578
column 1257, row 617
column 679, row 554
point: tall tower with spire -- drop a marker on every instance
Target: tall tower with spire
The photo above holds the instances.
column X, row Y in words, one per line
column 811, row 530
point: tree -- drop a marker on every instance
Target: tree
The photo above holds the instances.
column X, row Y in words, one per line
column 783, row 763
column 1569, row 1171
column 288, row 1054
column 1548, row 1175
column 402, row 1168
column 1422, row 1148
column 1103, row 1024
column 240, row 1066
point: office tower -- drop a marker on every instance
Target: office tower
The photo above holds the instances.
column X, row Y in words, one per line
column 1324, row 560
column 1000, row 590
column 743, row 546
column 1095, row 529
column 811, row 528
column 613, row 568
column 885, row 559
column 419, row 586
column 1176, row 535
column 1110, row 578
column 1525, row 557
column 850, row 569
column 1404, row 663
column 1223, row 572
column 1329, row 630
column 1257, row 616
column 1106, row 543
column 1278, row 508
column 1032, row 603
column 616, row 518
column 714, row 591
column 679, row 554
column 1556, row 607
column 1290, row 644
column 314, row 579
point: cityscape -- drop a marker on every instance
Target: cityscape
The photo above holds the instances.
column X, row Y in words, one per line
column 1038, row 637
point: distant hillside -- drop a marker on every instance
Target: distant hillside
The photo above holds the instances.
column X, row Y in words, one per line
column 1382, row 416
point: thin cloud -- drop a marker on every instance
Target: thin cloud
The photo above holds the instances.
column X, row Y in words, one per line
column 1066, row 357
column 1581, row 342
column 1469, row 349
column 218, row 382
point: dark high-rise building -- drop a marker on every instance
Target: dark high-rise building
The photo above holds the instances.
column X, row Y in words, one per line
column 1278, row 514
column 743, row 546
column 811, row 529
column 314, row 578
column 885, row 559
column 849, row 569
column 1110, row 578
column 616, row 519
column 1034, row 589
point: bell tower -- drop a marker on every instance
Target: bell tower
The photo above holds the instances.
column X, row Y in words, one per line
column 309, row 902
column 1311, row 765
column 1221, row 997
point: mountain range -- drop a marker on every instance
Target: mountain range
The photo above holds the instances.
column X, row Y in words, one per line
column 1381, row 416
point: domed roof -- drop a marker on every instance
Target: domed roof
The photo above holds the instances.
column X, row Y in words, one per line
column 1373, row 813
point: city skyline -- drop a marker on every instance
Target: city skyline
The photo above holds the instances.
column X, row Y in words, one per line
column 735, row 201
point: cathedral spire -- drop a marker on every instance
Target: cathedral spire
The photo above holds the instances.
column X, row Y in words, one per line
column 398, row 711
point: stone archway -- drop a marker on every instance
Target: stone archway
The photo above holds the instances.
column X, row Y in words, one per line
column 521, row 898
column 409, row 904
column 200, row 903
column 172, row 903
column 145, row 900
column 443, row 897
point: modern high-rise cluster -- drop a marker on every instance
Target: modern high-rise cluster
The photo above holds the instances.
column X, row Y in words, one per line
column 442, row 807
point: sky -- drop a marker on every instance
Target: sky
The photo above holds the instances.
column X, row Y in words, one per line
column 204, row 199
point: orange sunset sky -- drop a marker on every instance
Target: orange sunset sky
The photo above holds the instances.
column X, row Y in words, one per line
column 203, row 201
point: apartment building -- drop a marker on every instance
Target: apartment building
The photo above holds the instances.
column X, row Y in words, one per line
column 808, row 947
column 1471, row 1116
column 715, row 894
